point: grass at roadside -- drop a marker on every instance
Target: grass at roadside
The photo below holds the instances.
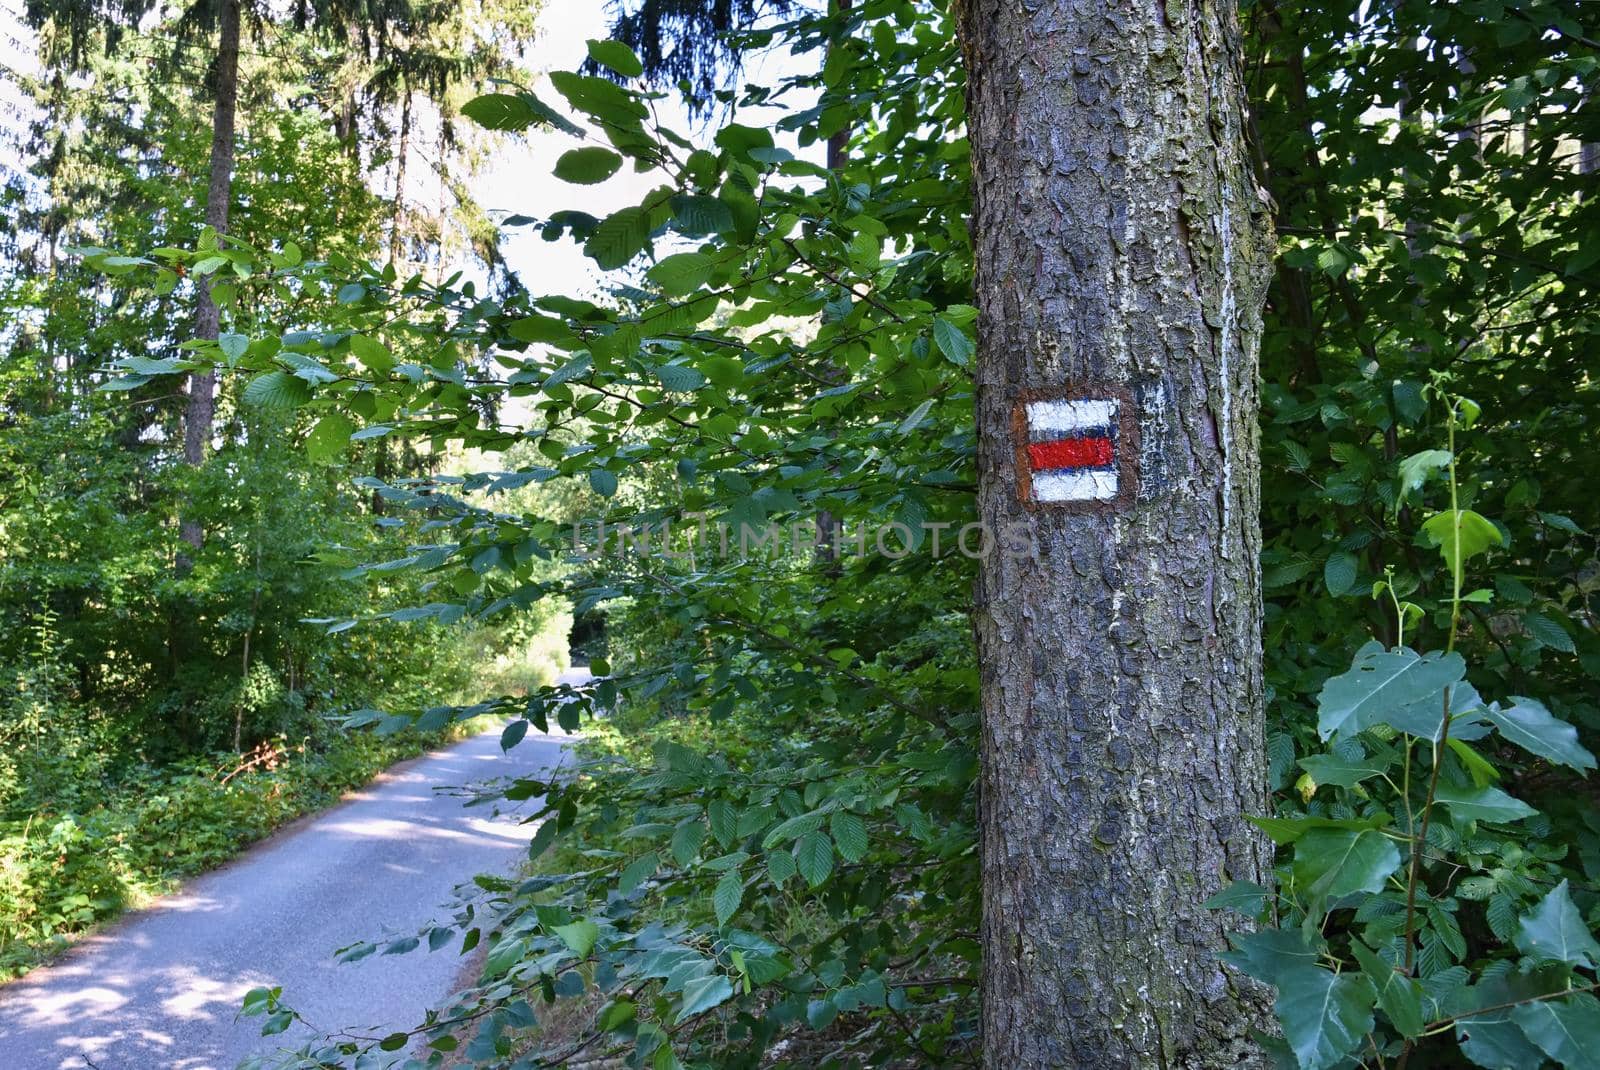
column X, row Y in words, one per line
column 62, row 874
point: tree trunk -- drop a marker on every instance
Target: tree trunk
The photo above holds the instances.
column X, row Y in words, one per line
column 398, row 209
column 1123, row 254
column 202, row 404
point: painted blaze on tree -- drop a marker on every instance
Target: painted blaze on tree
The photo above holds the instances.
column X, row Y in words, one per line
column 1123, row 253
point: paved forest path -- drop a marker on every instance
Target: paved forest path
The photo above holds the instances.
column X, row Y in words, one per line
column 160, row 990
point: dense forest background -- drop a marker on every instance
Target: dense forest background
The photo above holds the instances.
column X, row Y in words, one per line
column 770, row 851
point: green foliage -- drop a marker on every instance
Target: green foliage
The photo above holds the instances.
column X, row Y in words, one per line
column 767, row 851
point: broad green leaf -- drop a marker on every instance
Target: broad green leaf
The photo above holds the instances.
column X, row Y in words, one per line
column 1399, row 996
column 580, row 936
column 1379, row 682
column 603, row 483
column 1324, row 1015
column 1243, row 897
column 617, row 56
column 727, row 896
column 1417, row 468
column 813, row 856
column 1424, row 718
column 1482, row 804
column 637, row 872
column 512, row 734
column 1334, row 770
column 619, row 238
column 1567, row 1029
column 1548, row 632
column 680, row 378
column 703, row 993
column 1339, row 573
column 329, row 437
column 372, row 354
column 233, row 346
column 681, row 273
column 953, row 342
column 1554, row 931
column 849, row 835
column 1484, row 1026
column 1460, row 534
column 1268, row 954
column 276, row 390
column 686, row 840
column 588, row 165
column 1336, row 862
column 794, row 827
column 1532, row 727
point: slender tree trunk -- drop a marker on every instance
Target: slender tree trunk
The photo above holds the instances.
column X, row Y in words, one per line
column 202, row 404
column 828, row 528
column 1123, row 253
column 398, row 209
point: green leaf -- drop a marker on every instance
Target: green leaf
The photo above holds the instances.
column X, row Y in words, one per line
column 512, row 734
column 849, row 834
column 1567, row 1030
column 1415, row 469
column 727, row 896
column 1532, row 727
column 1460, row 534
column 813, row 856
column 1555, row 931
column 580, row 936
column 1324, row 1015
column 681, row 273
column 915, row 417
column 588, row 165
column 1548, row 632
column 1339, row 573
column 1482, row 804
column 794, row 827
column 373, row 354
column 1243, row 897
column 1334, row 770
column 603, row 482
column 233, row 346
column 329, row 437
column 638, row 871
column 276, row 390
column 686, row 840
column 616, row 55
column 499, row 111
column 1336, row 862
column 703, row 993
column 1490, row 1037
column 619, row 238
column 1399, row 996
column 953, row 342
column 351, row 292
column 1380, row 681
column 680, row 378
column 1268, row 954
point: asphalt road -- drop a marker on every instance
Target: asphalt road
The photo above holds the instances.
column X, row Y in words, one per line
column 160, row 990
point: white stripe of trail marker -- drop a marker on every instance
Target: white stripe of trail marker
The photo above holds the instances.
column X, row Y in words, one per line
column 1067, row 416
column 1084, row 485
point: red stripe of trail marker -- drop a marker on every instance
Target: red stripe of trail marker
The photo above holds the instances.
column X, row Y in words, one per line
column 1070, row 453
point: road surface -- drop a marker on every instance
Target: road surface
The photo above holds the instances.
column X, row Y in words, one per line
column 160, row 990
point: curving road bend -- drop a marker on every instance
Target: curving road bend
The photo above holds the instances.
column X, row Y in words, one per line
column 160, row 990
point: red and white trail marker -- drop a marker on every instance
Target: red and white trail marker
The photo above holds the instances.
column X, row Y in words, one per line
column 1070, row 451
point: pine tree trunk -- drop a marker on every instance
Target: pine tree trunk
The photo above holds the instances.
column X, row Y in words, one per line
column 201, row 407
column 398, row 209
column 1123, row 254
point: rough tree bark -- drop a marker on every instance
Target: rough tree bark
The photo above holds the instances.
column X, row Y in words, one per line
column 201, row 407
column 1123, row 252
